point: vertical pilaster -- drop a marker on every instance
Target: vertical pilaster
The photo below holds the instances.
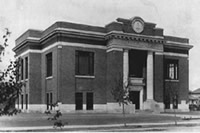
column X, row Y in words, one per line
column 150, row 75
column 141, row 99
column 59, row 72
column 125, row 66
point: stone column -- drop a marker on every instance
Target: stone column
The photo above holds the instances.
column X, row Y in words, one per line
column 150, row 75
column 125, row 66
column 150, row 104
column 141, row 99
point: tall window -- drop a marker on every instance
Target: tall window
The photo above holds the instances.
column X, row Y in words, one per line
column 51, row 100
column 84, row 63
column 49, row 65
column 89, row 101
column 22, row 101
column 79, row 100
column 26, row 67
column 47, row 98
column 22, row 69
column 171, row 67
column 26, row 97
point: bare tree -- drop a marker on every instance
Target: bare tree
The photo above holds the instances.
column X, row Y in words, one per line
column 120, row 92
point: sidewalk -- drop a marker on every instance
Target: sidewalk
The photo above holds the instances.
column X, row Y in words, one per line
column 96, row 127
column 39, row 122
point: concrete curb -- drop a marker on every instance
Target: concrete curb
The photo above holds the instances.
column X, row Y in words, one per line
column 180, row 123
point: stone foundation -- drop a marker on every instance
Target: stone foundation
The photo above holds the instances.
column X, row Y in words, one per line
column 115, row 108
column 70, row 108
column 183, row 107
column 149, row 105
column 153, row 106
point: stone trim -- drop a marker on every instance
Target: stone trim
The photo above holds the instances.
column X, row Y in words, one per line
column 114, row 49
column 123, row 44
column 180, row 43
column 134, row 37
column 62, row 44
column 171, row 54
column 85, row 76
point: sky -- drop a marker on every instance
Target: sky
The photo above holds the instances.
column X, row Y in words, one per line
column 179, row 18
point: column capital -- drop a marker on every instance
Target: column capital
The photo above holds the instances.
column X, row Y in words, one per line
column 125, row 50
column 150, row 52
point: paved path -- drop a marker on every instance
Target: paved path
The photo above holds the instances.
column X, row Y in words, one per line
column 103, row 127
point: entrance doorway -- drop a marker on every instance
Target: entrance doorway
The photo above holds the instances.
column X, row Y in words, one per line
column 134, row 97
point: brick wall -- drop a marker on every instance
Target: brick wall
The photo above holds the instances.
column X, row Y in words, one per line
column 35, row 78
column 183, row 78
column 49, row 84
column 114, row 70
column 182, row 85
column 69, row 84
column 158, row 78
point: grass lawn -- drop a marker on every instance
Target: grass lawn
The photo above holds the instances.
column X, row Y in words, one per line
column 34, row 119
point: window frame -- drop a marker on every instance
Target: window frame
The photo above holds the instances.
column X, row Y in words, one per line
column 26, row 100
column 171, row 68
column 26, row 67
column 22, row 101
column 51, row 100
column 49, row 64
column 22, row 69
column 78, row 100
column 89, row 101
column 88, row 54
column 47, row 100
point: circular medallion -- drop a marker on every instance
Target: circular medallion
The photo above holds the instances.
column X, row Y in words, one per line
column 138, row 26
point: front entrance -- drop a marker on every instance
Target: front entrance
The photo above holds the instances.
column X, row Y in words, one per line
column 134, row 97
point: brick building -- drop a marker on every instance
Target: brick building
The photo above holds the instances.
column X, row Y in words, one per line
column 78, row 65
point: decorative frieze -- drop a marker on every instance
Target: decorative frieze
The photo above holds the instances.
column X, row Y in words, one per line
column 134, row 37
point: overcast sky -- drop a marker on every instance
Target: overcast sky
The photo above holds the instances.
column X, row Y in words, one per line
column 177, row 17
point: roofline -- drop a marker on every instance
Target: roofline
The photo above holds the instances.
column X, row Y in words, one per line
column 96, row 32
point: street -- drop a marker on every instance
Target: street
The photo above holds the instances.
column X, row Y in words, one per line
column 185, row 129
column 190, row 128
column 171, row 128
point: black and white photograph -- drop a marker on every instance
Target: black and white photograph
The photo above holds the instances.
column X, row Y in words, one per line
column 99, row 66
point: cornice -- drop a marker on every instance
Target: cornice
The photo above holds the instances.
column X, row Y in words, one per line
column 178, row 45
column 29, row 39
column 65, row 32
column 134, row 37
column 75, row 33
column 100, row 36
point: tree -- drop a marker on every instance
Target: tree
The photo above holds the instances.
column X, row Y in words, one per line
column 5, row 42
column 120, row 92
column 10, row 88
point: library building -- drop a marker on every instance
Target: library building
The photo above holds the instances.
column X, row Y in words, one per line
column 78, row 65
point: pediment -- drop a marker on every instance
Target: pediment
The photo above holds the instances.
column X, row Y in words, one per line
column 135, row 25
